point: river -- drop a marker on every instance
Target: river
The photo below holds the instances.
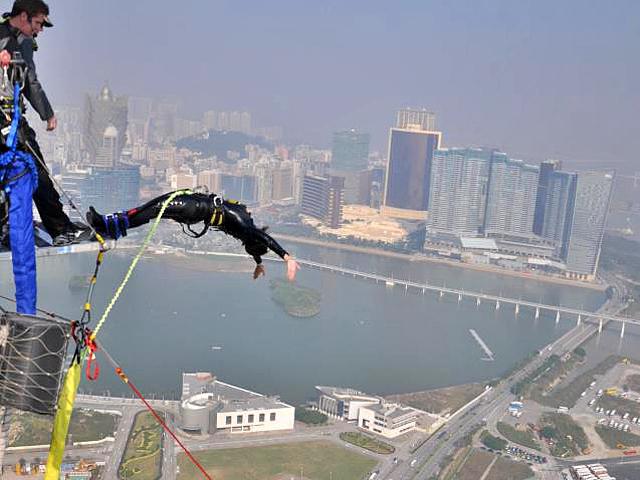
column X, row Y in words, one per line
column 367, row 336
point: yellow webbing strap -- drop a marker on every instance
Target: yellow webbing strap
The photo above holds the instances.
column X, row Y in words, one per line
column 72, row 380
column 137, row 258
column 61, row 422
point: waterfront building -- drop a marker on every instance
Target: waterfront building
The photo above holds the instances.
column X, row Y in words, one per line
column 592, row 199
column 209, row 406
column 350, row 151
column 343, row 403
column 411, row 147
column 369, row 412
column 101, row 112
column 387, row 419
column 511, row 198
column 458, row 193
column 323, row 199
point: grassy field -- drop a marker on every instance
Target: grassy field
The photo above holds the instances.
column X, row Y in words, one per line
column 621, row 405
column 365, row 441
column 613, row 437
column 442, row 400
column 309, row 460
column 524, row 438
column 142, row 458
column 474, row 466
column 569, row 437
column 502, row 469
column 86, row 425
column 494, row 443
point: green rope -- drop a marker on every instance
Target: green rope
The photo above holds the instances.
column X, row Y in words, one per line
column 137, row 258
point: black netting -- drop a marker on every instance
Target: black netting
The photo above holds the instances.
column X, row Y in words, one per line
column 32, row 362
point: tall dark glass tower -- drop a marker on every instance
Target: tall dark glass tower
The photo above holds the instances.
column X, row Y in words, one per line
column 411, row 150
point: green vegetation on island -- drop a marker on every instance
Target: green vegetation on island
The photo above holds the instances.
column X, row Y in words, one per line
column 297, row 301
column 317, row 460
column 365, row 441
column 142, row 458
column 310, row 417
column 86, row 426
column 521, row 437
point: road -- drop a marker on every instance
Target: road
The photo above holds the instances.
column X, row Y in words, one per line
column 431, row 454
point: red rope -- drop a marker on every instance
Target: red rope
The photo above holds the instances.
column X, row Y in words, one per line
column 126, row 380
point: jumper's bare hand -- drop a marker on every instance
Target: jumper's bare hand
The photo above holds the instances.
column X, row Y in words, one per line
column 259, row 271
column 292, row 267
column 52, row 124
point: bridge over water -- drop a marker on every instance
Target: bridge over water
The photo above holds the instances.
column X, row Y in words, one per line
column 479, row 297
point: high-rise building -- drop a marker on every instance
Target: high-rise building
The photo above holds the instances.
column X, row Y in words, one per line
column 107, row 154
column 546, row 172
column 112, row 189
column 101, row 112
column 408, row 178
column 350, row 151
column 243, row 188
column 554, row 209
column 209, row 179
column 592, row 199
column 283, row 182
column 323, row 198
column 459, row 179
column 511, row 200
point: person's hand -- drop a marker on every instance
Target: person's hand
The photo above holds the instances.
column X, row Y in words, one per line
column 292, row 267
column 52, row 124
column 259, row 271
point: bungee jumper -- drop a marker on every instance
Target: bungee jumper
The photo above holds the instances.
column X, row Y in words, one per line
column 189, row 208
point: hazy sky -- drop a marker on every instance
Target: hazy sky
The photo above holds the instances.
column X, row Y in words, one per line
column 537, row 78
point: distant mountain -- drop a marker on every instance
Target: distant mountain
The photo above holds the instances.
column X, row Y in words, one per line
column 218, row 142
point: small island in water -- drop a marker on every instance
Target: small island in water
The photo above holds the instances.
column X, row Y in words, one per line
column 297, row 301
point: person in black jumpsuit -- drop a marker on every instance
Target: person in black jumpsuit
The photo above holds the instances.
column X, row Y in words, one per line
column 228, row 216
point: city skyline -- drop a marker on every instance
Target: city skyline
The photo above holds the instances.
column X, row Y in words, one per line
column 547, row 76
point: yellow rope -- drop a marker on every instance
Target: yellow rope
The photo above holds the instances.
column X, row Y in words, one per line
column 136, row 259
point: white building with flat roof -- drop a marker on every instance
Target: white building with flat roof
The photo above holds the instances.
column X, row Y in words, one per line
column 343, row 403
column 209, row 406
column 388, row 419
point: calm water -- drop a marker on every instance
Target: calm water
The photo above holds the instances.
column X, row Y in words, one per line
column 367, row 336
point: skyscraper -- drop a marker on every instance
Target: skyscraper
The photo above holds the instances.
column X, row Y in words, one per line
column 100, row 112
column 555, row 206
column 458, row 193
column 323, row 198
column 511, row 200
column 411, row 147
column 350, row 151
column 593, row 195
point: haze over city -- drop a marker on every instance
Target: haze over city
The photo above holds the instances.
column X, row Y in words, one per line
column 538, row 79
column 355, row 240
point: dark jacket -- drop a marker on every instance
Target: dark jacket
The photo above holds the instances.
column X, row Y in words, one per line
column 12, row 41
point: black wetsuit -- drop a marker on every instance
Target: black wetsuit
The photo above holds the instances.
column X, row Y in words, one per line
column 228, row 216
